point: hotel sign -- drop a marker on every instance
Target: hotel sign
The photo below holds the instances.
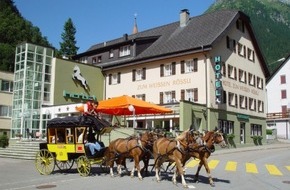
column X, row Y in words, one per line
column 81, row 96
column 218, row 82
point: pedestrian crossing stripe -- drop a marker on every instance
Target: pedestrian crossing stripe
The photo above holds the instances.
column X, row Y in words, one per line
column 213, row 163
column 273, row 170
column 251, row 168
column 231, row 166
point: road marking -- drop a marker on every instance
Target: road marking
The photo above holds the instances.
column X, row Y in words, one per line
column 231, row 166
column 213, row 163
column 192, row 163
column 251, row 168
column 273, row 170
column 288, row 168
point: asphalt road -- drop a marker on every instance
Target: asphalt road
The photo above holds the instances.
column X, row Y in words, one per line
column 265, row 167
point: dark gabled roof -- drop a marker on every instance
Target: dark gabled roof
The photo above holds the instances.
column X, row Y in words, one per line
column 201, row 32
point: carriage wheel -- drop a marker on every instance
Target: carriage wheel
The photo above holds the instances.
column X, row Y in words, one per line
column 44, row 162
column 83, row 166
column 64, row 165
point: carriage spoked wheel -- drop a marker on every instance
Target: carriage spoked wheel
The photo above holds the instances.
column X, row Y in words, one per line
column 83, row 166
column 44, row 162
column 64, row 166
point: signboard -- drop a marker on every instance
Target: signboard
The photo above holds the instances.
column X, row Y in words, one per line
column 218, row 82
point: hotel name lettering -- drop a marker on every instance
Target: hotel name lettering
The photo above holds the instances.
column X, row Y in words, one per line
column 164, row 84
column 241, row 88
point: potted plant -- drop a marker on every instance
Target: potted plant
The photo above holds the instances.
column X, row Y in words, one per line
column 230, row 139
column 4, row 141
column 257, row 139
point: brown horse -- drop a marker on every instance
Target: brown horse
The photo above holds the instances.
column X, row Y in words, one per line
column 202, row 152
column 172, row 150
column 132, row 147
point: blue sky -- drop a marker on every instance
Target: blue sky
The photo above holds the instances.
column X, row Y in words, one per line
column 97, row 21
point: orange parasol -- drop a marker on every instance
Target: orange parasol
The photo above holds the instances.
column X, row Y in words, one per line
column 126, row 105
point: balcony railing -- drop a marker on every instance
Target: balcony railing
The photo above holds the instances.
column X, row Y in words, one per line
column 278, row 115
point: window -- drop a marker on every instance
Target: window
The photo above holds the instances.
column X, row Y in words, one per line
column 111, row 53
column 260, row 83
column 283, row 79
column 94, row 60
column 168, row 69
column 99, row 59
column 243, row 102
column 241, row 50
column 283, row 94
column 189, row 95
column 251, row 55
column 114, row 78
column 6, row 86
column 256, row 130
column 138, row 74
column 190, row 65
column 168, row 97
column 260, row 106
column 227, row 127
column 140, row 97
column 124, row 51
column 5, row 111
column 242, row 76
column 232, row 72
column 231, row 44
column 252, row 104
column 232, row 99
column 240, row 25
column 252, row 81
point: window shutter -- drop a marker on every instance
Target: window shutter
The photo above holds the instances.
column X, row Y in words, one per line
column 133, row 96
column 162, row 70
column 182, row 93
column 161, row 97
column 143, row 97
column 195, row 65
column 173, row 68
column 182, row 66
column 119, row 78
column 195, row 94
column 110, row 79
column 144, row 73
column 228, row 42
column 173, row 95
column 134, row 75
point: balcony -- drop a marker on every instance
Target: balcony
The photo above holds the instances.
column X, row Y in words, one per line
column 278, row 115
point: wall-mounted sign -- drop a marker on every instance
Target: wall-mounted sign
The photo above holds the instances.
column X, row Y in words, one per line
column 78, row 96
column 77, row 75
column 218, row 76
column 242, row 116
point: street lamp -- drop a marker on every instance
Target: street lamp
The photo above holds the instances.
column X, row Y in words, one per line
column 132, row 109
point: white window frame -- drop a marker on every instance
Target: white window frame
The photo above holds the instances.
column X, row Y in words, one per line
column 167, row 97
column 115, row 78
column 124, row 51
column 189, row 66
column 139, row 74
column 168, row 69
column 189, row 95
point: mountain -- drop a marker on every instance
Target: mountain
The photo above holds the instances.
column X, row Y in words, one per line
column 271, row 24
column 14, row 29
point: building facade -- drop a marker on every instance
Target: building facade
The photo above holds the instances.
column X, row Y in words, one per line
column 278, row 111
column 6, row 93
column 208, row 69
column 46, row 87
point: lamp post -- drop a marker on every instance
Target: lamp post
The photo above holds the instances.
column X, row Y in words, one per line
column 132, row 109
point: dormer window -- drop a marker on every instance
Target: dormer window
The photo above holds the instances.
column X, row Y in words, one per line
column 124, row 51
column 111, row 53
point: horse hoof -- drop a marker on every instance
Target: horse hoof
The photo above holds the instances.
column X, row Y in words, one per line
column 212, row 184
column 185, row 186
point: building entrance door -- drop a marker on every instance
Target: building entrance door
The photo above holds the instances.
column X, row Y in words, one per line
column 242, row 132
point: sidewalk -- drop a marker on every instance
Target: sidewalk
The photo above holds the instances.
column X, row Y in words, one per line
column 273, row 144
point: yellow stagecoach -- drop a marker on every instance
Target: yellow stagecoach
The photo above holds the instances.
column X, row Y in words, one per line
column 66, row 138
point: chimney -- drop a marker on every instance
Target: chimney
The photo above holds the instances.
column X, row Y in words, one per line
column 184, row 17
column 125, row 37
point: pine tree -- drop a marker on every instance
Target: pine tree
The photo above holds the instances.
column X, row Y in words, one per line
column 68, row 47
